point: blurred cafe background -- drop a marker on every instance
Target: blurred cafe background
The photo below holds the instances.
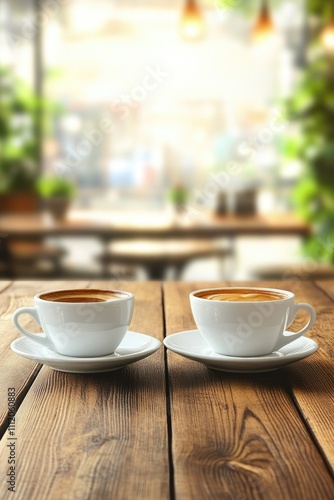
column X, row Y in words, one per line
column 167, row 139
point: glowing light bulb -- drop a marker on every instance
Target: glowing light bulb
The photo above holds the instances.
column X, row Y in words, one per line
column 192, row 23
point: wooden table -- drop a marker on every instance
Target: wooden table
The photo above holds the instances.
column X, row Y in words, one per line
column 119, row 225
column 167, row 427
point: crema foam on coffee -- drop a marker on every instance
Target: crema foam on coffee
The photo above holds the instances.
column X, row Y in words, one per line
column 82, row 295
column 240, row 295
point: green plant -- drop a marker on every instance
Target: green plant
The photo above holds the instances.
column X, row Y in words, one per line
column 178, row 195
column 19, row 117
column 48, row 187
column 24, row 116
column 312, row 107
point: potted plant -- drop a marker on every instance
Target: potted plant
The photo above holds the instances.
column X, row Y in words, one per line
column 19, row 149
column 56, row 194
column 178, row 196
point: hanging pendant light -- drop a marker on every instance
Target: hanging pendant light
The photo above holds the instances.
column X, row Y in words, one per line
column 264, row 27
column 192, row 21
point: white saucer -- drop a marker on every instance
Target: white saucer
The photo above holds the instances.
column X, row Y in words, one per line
column 191, row 345
column 134, row 346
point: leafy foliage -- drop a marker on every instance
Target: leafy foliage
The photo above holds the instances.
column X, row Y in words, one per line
column 19, row 114
column 48, row 187
column 23, row 115
column 312, row 107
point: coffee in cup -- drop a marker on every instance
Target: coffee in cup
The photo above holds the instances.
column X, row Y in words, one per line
column 81, row 295
column 240, row 295
column 247, row 321
column 80, row 322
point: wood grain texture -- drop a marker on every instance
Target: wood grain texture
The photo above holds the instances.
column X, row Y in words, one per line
column 4, row 284
column 100, row 436
column 327, row 287
column 15, row 371
column 104, row 436
column 311, row 380
column 236, row 436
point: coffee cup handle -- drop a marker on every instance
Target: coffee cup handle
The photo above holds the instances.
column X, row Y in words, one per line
column 40, row 339
column 286, row 339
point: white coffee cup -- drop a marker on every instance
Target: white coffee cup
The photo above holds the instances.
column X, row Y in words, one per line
column 235, row 325
column 79, row 322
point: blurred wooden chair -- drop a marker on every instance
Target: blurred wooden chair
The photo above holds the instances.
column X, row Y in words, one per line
column 27, row 259
column 156, row 256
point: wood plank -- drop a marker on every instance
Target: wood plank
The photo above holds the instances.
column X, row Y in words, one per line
column 4, row 284
column 236, row 435
column 100, row 436
column 327, row 286
column 15, row 371
column 312, row 380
